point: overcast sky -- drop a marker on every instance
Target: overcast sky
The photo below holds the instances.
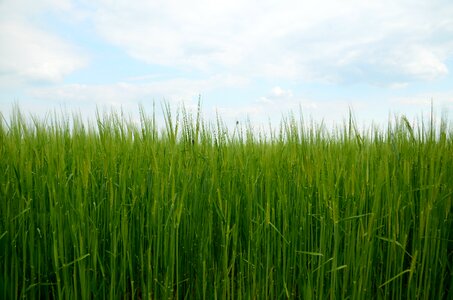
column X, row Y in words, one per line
column 246, row 59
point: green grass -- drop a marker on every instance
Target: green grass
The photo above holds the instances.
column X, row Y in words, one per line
column 194, row 211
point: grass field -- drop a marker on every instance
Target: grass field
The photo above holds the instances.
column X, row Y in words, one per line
column 194, row 211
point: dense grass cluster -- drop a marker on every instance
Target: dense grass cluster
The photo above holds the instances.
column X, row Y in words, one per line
column 195, row 211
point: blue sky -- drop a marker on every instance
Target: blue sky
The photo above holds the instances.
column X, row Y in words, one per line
column 251, row 60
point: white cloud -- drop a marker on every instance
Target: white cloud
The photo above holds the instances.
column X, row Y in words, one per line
column 134, row 91
column 323, row 41
column 423, row 63
column 398, row 85
column 123, row 96
column 31, row 54
column 379, row 42
column 378, row 110
column 13, row 8
column 440, row 100
column 277, row 96
column 279, row 92
column 272, row 107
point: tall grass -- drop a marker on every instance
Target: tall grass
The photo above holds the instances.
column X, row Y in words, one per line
column 194, row 211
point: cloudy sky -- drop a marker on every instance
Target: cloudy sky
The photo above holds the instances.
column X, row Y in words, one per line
column 251, row 60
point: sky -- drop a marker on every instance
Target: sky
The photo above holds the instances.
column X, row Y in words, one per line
column 251, row 61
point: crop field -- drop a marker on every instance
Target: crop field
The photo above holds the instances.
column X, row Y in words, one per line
column 191, row 210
